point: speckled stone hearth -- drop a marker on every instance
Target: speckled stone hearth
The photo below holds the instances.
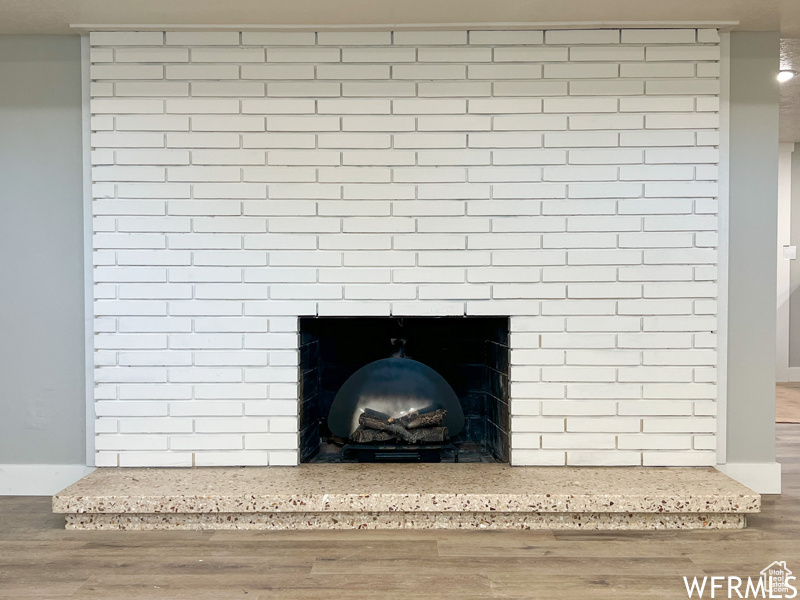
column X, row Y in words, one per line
column 407, row 496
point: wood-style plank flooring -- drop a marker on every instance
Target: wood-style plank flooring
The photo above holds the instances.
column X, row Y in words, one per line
column 39, row 559
column 787, row 402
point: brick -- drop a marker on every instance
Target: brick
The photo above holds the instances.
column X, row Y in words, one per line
column 131, row 442
column 531, row 54
column 415, row 106
column 594, row 323
column 688, row 53
column 354, row 140
column 310, row 89
column 278, row 38
column 650, row 105
column 454, row 157
column 202, row 38
column 278, row 140
column 295, row 72
column 429, row 38
column 458, row 55
column 616, row 458
column 353, row 71
column 284, row 174
column 580, row 70
column 504, row 140
column 431, row 275
column 151, row 55
column 679, row 459
column 682, row 86
column 271, row 441
column 579, row 307
column 228, row 55
column 582, row 440
column 538, row 424
column 126, row 71
column 454, row 292
column 454, row 88
column 127, row 105
column 529, row 88
column 427, row 242
column 529, row 122
column 496, row 72
column 378, row 88
column 387, row 55
column 708, row 36
column 583, row 139
column 607, row 53
column 582, row 36
column 150, row 88
column 602, row 425
column 128, row 140
column 658, row 36
column 506, row 37
column 126, row 38
column 354, row 106
column 202, row 140
column 378, row 123
column 303, row 55
column 593, row 122
column 709, row 69
column 202, row 72
column 687, row 121
column 651, row 70
column 227, row 88
column 291, row 123
column 601, row 290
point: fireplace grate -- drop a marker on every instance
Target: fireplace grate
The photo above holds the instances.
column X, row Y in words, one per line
column 427, row 453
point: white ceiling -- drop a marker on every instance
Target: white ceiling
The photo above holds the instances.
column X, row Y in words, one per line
column 56, row 16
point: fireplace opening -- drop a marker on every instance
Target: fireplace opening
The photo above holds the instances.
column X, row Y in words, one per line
column 404, row 388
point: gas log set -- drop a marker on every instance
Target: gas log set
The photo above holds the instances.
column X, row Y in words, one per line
column 413, row 428
column 396, row 409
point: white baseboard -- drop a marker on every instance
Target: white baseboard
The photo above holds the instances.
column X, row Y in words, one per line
column 764, row 478
column 39, row 480
column 793, row 374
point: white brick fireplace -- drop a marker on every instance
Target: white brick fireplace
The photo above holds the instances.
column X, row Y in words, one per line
column 564, row 179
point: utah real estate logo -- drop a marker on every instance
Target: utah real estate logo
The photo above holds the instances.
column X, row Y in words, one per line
column 776, row 581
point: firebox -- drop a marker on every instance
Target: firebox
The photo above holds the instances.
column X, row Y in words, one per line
column 445, row 378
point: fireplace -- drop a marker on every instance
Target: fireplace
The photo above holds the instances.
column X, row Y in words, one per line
column 469, row 353
column 560, row 184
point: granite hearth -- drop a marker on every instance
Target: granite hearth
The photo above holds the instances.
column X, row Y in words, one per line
column 407, row 496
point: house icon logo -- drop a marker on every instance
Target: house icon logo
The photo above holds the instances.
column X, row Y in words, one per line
column 776, row 579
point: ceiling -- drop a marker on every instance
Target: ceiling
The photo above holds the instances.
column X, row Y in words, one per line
column 57, row 16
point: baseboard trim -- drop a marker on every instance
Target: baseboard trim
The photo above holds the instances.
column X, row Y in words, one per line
column 39, row 480
column 793, row 374
column 764, row 478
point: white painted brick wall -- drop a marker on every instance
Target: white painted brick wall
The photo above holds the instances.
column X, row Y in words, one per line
column 566, row 179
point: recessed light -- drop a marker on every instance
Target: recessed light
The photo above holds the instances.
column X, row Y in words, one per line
column 784, row 76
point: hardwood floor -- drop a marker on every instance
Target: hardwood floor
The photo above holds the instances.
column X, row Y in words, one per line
column 39, row 559
column 787, row 402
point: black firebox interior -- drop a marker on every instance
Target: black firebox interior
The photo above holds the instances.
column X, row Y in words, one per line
column 471, row 353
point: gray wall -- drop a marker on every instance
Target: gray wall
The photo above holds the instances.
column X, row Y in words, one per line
column 42, row 399
column 794, row 300
column 753, row 239
column 41, row 272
